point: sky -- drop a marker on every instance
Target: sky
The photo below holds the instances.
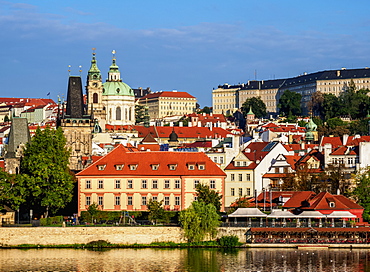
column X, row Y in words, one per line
column 191, row 46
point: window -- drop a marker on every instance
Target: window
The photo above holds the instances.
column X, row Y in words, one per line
column 232, row 177
column 129, row 184
column 221, row 160
column 240, row 191
column 172, row 166
column 191, row 167
column 95, row 96
column 143, row 200
column 155, row 166
column 88, row 201
column 212, row 184
column 232, row 192
column 155, row 184
column 331, row 204
column 215, row 159
column 155, row 198
column 166, row 184
column 195, row 198
column 248, row 191
column 119, row 167
column 100, row 184
column 248, row 177
column 201, row 167
column 133, row 166
column 129, row 200
column 118, row 200
column 276, row 169
column 177, row 184
column 100, row 200
column 240, row 177
column 101, row 167
column 166, row 200
column 143, row 184
column 177, row 200
column 196, row 182
column 88, row 184
column 118, row 184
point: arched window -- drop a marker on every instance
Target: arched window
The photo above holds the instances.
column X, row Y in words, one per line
column 118, row 113
column 95, row 98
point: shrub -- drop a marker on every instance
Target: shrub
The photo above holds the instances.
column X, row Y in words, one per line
column 98, row 244
column 229, row 241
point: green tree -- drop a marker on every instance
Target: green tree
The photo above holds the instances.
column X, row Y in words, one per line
column 156, row 210
column 12, row 191
column 93, row 210
column 139, row 114
column 208, row 196
column 241, row 202
column 199, row 221
column 362, row 193
column 257, row 105
column 206, row 110
column 44, row 167
column 290, row 104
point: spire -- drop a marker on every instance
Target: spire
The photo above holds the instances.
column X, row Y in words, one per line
column 94, row 72
column 250, row 111
column 114, row 74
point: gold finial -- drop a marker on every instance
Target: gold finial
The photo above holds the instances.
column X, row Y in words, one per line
column 80, row 69
column 114, row 53
column 69, row 70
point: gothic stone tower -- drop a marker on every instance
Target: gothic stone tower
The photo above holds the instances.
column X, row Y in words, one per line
column 77, row 125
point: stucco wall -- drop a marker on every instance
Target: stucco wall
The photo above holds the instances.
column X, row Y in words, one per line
column 116, row 235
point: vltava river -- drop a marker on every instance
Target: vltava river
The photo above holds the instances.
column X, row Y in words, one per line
column 185, row 260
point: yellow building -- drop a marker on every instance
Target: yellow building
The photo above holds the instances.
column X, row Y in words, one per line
column 124, row 180
column 168, row 103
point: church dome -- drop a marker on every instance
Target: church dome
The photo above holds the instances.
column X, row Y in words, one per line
column 117, row 88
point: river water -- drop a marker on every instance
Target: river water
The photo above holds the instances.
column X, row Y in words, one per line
column 185, row 260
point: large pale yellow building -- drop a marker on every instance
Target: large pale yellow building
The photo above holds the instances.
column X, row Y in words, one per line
column 226, row 98
column 124, row 180
column 168, row 103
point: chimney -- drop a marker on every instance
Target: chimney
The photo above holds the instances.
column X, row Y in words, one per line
column 345, row 139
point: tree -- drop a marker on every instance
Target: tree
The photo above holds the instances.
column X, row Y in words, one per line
column 241, row 202
column 47, row 178
column 156, row 210
column 139, row 114
column 206, row 110
column 362, row 193
column 316, row 104
column 208, row 196
column 290, row 104
column 199, row 220
column 93, row 210
column 12, row 191
column 257, row 105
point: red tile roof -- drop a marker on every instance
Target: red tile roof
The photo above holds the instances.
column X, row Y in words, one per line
column 144, row 160
column 167, row 94
column 297, row 199
column 182, row 132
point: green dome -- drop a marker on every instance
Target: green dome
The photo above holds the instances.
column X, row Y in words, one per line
column 117, row 88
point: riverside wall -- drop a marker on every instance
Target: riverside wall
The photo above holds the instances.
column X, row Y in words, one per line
column 83, row 235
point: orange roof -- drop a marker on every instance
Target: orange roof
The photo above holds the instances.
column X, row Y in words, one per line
column 182, row 132
column 2, row 164
column 321, row 202
column 343, row 150
column 297, row 198
column 143, row 162
column 167, row 94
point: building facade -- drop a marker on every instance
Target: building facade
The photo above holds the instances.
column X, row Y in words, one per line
column 226, row 98
column 125, row 180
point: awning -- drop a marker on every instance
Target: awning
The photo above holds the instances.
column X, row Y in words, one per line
column 311, row 214
column 281, row 214
column 247, row 212
column 341, row 214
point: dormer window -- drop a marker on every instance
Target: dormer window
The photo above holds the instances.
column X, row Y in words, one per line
column 172, row 166
column 191, row 166
column 101, row 167
column 133, row 166
column 332, row 204
column 155, row 166
column 119, row 167
column 201, row 166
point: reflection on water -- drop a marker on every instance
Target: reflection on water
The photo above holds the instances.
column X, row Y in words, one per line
column 185, row 260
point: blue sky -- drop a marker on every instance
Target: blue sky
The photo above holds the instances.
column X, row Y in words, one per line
column 184, row 45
